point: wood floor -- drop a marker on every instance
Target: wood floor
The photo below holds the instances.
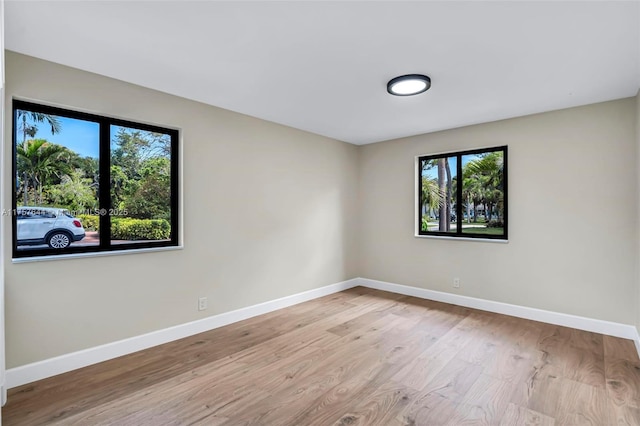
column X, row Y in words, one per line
column 359, row 357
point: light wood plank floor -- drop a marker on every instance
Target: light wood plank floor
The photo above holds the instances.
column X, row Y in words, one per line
column 359, row 357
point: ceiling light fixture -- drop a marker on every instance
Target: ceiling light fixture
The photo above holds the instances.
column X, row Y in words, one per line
column 408, row 85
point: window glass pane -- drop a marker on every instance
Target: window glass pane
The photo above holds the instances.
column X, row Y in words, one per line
column 483, row 193
column 438, row 194
column 57, row 176
column 140, row 186
column 72, row 170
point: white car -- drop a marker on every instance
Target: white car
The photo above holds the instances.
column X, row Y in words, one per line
column 47, row 225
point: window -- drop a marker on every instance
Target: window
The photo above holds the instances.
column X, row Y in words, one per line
column 463, row 194
column 86, row 183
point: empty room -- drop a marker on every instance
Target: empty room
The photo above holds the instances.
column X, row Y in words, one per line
column 320, row 213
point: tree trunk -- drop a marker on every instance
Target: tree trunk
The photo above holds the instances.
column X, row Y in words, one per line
column 475, row 210
column 25, row 189
column 468, row 209
column 449, row 186
column 24, row 130
column 442, row 184
column 25, row 200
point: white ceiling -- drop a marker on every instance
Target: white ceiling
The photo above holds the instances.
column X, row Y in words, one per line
column 323, row 66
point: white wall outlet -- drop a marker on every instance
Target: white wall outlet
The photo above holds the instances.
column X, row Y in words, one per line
column 456, row 282
column 202, row 303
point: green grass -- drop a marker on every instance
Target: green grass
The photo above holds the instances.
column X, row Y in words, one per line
column 483, row 231
column 470, row 230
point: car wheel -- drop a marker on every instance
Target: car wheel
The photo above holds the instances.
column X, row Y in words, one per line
column 59, row 240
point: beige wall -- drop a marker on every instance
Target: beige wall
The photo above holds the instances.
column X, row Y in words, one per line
column 638, row 207
column 269, row 211
column 573, row 217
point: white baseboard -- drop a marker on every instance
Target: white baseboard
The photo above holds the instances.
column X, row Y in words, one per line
column 61, row 364
column 581, row 323
column 50, row 367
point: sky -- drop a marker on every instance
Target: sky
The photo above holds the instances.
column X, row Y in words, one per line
column 80, row 136
column 433, row 172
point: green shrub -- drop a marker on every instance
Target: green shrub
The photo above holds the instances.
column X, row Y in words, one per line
column 123, row 228
column 139, row 229
column 495, row 224
column 90, row 222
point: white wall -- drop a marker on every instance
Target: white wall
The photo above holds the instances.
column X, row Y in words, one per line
column 573, row 215
column 269, row 211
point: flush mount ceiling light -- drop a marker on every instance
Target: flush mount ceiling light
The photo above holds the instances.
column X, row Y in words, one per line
column 408, row 85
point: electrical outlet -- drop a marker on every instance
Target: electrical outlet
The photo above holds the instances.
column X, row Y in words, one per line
column 202, row 303
column 456, row 282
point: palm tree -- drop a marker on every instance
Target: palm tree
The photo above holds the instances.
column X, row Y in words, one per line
column 490, row 164
column 471, row 193
column 28, row 127
column 448, row 195
column 38, row 160
column 437, row 191
column 484, row 182
column 430, row 196
column 28, row 119
column 446, row 191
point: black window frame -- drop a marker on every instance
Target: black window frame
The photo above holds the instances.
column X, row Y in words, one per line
column 458, row 196
column 104, row 192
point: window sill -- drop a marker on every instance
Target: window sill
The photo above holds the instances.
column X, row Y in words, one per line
column 96, row 254
column 481, row 240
